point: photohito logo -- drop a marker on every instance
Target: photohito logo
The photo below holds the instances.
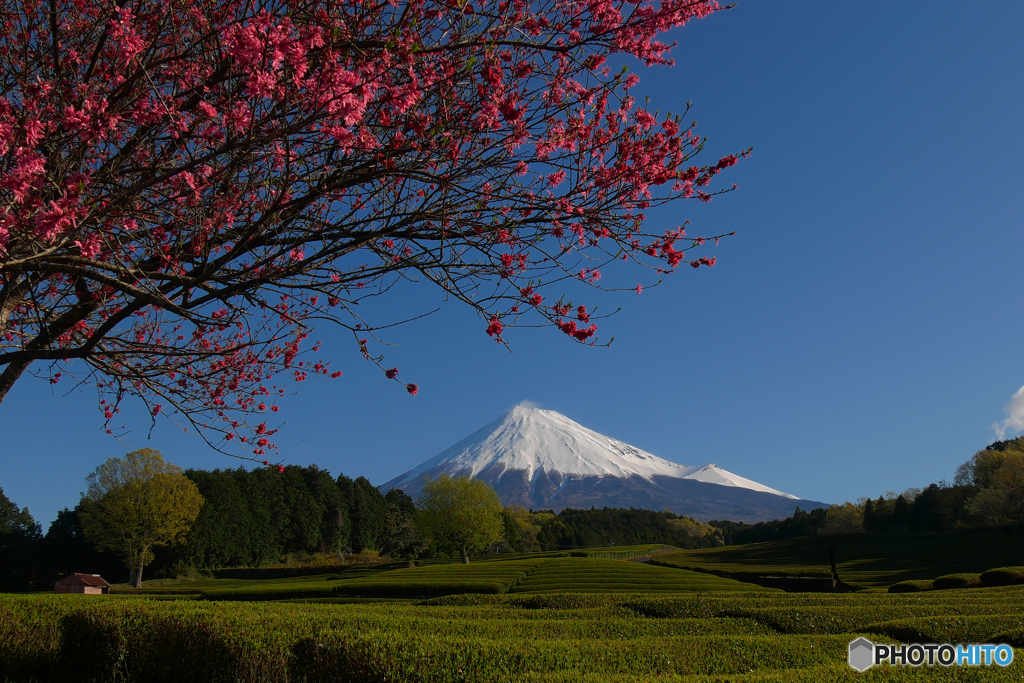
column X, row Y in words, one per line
column 863, row 654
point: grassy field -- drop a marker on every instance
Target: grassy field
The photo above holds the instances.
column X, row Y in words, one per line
column 870, row 561
column 538, row 573
column 536, row 637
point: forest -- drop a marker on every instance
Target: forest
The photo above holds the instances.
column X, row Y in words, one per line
column 261, row 517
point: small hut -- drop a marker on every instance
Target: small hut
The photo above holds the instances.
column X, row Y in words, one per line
column 90, row 584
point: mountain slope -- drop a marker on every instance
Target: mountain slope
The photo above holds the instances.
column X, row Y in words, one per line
column 542, row 459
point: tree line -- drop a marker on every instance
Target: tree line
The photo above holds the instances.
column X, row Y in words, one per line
column 987, row 493
column 266, row 516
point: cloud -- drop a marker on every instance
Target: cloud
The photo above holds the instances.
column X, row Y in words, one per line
column 1015, row 421
column 535, row 404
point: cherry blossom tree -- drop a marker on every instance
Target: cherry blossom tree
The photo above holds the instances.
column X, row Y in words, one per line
column 188, row 187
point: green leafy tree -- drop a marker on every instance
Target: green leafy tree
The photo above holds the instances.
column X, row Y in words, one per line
column 402, row 536
column 460, row 514
column 1002, row 501
column 135, row 504
column 847, row 518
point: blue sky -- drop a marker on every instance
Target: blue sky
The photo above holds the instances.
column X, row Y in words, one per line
column 861, row 332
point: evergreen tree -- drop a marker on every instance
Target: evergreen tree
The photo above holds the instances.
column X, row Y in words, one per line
column 223, row 533
column 902, row 516
column 870, row 521
column 19, row 545
column 368, row 516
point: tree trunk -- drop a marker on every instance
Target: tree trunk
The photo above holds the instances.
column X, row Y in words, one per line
column 44, row 340
column 10, row 375
column 465, row 556
column 137, row 573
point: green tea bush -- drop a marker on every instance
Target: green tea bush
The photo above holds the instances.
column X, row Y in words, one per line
column 443, row 659
column 846, row 619
column 912, row 586
column 30, row 634
column 955, row 581
column 1003, row 576
column 1013, row 637
column 462, row 600
column 273, row 592
column 557, row 637
column 949, row 629
column 597, row 575
column 419, row 589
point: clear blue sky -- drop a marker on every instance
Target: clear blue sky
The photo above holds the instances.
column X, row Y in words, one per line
column 861, row 333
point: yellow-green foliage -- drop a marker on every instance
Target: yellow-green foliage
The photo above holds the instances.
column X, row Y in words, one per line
column 543, row 638
column 138, row 503
column 460, row 514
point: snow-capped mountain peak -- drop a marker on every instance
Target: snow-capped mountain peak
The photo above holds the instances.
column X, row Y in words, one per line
column 532, row 442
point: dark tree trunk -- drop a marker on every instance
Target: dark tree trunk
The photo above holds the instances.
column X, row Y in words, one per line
column 40, row 348
column 10, row 375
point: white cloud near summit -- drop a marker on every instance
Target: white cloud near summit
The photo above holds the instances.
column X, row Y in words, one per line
column 1015, row 422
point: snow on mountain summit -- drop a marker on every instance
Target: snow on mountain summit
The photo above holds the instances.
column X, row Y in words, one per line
column 533, row 441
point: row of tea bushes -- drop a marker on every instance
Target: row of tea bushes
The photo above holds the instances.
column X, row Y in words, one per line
column 1002, row 576
column 538, row 574
column 864, row 560
column 597, row 575
column 512, row 638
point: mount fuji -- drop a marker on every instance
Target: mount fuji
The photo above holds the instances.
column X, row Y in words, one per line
column 543, row 460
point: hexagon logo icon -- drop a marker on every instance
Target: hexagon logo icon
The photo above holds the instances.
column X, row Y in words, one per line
column 861, row 654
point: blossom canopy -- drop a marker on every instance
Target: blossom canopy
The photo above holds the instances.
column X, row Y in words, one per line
column 187, row 187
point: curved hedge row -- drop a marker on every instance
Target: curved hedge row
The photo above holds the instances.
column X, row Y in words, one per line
column 1003, row 576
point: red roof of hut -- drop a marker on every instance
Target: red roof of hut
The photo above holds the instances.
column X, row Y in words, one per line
column 87, row 579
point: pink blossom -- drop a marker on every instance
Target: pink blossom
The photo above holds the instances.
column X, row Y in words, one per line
column 207, row 109
column 90, row 246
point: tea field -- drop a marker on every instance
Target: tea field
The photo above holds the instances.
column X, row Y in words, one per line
column 536, row 573
column 541, row 637
column 542, row 618
column 862, row 560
